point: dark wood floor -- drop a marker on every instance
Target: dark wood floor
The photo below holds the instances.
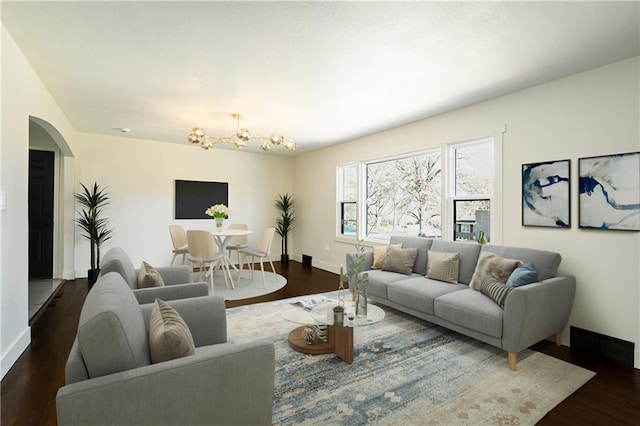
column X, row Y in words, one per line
column 612, row 397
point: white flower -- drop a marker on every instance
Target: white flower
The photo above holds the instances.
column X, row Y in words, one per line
column 218, row 210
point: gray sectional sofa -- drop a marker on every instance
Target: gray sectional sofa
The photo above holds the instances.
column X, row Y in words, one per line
column 111, row 380
column 531, row 313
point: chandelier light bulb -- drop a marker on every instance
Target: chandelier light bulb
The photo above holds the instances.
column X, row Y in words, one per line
column 277, row 139
column 244, row 135
column 266, row 145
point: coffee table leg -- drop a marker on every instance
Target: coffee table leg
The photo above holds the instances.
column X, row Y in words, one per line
column 341, row 340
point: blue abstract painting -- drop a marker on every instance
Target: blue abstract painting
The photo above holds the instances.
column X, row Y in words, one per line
column 610, row 192
column 546, row 194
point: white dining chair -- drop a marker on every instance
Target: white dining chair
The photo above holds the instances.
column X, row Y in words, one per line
column 237, row 242
column 261, row 250
column 203, row 251
column 179, row 241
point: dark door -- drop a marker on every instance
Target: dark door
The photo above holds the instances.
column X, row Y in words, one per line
column 41, row 164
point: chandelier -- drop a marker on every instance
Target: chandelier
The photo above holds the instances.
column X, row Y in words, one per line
column 240, row 139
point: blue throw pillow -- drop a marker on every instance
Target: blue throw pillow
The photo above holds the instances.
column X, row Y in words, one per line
column 525, row 274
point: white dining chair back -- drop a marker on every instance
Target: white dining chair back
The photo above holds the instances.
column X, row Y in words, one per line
column 179, row 241
column 237, row 242
column 203, row 251
column 261, row 250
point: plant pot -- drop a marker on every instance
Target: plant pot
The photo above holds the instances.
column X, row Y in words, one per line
column 284, row 258
column 92, row 276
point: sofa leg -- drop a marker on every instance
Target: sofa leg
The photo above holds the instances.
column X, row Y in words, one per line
column 513, row 358
column 558, row 338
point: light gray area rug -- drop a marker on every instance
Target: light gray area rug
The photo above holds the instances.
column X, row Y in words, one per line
column 247, row 287
column 406, row 371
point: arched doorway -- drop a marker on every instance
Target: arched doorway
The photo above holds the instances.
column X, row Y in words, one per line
column 47, row 149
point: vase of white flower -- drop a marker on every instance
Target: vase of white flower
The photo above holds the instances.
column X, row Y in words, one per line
column 219, row 212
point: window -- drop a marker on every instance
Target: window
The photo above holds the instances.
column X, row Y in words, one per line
column 472, row 189
column 403, row 196
column 347, row 198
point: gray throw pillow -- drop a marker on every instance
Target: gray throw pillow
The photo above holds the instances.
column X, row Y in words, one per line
column 400, row 260
column 169, row 335
column 490, row 264
column 148, row 276
column 494, row 289
column 443, row 266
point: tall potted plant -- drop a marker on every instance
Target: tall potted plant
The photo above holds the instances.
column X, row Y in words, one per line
column 284, row 224
column 94, row 227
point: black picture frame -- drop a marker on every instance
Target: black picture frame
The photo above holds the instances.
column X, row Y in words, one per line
column 609, row 192
column 546, row 194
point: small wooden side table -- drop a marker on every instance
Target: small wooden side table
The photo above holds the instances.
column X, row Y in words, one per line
column 339, row 341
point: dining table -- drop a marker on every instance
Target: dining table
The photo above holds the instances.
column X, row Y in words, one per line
column 222, row 236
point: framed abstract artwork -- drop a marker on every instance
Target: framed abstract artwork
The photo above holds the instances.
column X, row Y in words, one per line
column 546, row 194
column 610, row 192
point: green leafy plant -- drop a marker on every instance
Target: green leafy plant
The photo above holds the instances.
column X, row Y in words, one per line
column 284, row 224
column 357, row 280
column 95, row 228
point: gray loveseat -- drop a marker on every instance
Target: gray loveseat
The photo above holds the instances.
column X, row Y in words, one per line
column 531, row 313
column 176, row 278
column 110, row 379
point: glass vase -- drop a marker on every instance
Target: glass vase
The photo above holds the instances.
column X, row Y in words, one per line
column 219, row 221
column 361, row 304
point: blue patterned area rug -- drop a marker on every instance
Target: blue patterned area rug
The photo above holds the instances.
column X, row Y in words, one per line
column 406, row 371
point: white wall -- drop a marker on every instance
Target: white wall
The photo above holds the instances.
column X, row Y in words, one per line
column 23, row 95
column 140, row 178
column 588, row 114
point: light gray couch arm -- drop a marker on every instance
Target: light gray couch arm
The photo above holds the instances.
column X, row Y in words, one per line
column 171, row 275
column 206, row 318
column 366, row 265
column 537, row 311
column 171, row 292
column 222, row 384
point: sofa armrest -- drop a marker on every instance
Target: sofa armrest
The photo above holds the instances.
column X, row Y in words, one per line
column 366, row 265
column 206, row 318
column 171, row 275
column 537, row 311
column 171, row 292
column 226, row 384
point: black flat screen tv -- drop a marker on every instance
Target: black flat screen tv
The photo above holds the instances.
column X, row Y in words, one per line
column 194, row 197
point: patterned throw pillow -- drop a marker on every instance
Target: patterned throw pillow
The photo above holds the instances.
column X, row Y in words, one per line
column 148, row 276
column 169, row 335
column 490, row 264
column 400, row 260
column 380, row 255
column 497, row 291
column 443, row 266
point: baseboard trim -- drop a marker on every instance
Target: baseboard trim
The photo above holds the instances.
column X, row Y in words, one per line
column 16, row 349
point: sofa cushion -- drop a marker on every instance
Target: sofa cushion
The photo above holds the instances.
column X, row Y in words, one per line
column 380, row 280
column 470, row 309
column 148, row 276
column 495, row 290
column 419, row 293
column 443, row 266
column 469, row 253
column 490, row 264
column 522, row 275
column 169, row 335
column 112, row 335
column 545, row 262
column 400, row 260
column 117, row 260
column 422, row 244
column 380, row 255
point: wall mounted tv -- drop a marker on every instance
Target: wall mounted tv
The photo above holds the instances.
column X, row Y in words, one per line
column 194, row 197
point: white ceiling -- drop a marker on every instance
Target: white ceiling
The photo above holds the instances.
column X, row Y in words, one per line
column 317, row 72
